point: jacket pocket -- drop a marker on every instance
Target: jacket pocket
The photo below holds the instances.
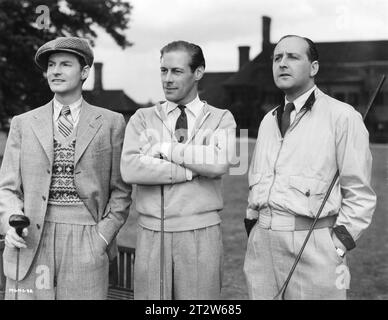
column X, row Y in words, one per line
column 259, row 185
column 307, row 192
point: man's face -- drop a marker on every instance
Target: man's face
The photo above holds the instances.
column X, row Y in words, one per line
column 293, row 72
column 179, row 82
column 64, row 73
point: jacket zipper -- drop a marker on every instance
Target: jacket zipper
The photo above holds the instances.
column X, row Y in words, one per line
column 292, row 126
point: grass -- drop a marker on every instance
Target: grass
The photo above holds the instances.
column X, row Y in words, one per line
column 368, row 262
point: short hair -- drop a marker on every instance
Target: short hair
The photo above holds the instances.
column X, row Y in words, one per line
column 312, row 52
column 195, row 52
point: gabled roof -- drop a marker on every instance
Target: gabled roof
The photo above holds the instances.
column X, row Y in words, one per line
column 211, row 88
column 258, row 71
column 115, row 100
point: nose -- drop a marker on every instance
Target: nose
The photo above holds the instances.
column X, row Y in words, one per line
column 283, row 62
column 56, row 69
column 168, row 76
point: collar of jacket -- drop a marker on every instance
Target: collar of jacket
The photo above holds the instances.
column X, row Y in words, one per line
column 307, row 105
column 198, row 122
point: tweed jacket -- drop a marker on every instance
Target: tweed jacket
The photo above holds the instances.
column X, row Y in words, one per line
column 26, row 171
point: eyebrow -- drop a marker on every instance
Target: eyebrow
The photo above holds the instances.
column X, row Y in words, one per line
column 287, row 53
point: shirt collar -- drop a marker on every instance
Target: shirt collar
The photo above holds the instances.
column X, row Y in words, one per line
column 301, row 100
column 75, row 108
column 194, row 106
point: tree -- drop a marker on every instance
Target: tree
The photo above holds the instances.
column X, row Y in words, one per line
column 22, row 86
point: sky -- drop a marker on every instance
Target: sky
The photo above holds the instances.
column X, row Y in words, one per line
column 219, row 27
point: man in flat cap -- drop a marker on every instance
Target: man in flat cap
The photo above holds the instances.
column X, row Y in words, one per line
column 61, row 170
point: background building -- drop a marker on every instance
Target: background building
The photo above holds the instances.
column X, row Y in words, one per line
column 115, row 100
column 349, row 71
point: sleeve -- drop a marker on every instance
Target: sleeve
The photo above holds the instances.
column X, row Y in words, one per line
column 139, row 168
column 120, row 192
column 252, row 208
column 354, row 161
column 211, row 160
column 11, row 191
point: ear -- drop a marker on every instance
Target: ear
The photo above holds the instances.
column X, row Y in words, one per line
column 199, row 72
column 85, row 72
column 314, row 69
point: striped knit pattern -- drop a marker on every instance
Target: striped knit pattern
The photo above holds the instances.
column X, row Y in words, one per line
column 62, row 188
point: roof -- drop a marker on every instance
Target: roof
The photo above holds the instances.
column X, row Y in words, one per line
column 115, row 100
column 211, row 89
column 259, row 70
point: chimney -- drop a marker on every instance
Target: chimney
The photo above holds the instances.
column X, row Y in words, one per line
column 243, row 56
column 266, row 32
column 97, row 76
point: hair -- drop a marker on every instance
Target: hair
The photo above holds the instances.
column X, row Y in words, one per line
column 312, row 52
column 195, row 52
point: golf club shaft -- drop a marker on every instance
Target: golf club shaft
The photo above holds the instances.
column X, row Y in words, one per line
column 17, row 273
column 162, row 243
column 282, row 291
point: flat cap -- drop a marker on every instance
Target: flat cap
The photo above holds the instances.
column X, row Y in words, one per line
column 75, row 45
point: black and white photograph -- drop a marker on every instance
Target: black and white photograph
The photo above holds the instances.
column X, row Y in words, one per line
column 216, row 151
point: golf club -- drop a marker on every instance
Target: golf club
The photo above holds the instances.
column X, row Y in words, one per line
column 280, row 295
column 162, row 241
column 19, row 222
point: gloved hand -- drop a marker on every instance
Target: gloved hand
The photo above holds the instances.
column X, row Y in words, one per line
column 249, row 224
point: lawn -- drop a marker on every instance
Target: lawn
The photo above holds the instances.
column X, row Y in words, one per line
column 368, row 262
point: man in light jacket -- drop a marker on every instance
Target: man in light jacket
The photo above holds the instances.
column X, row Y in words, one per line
column 300, row 146
column 197, row 143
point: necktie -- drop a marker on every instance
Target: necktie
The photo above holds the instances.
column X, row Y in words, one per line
column 181, row 126
column 286, row 117
column 65, row 125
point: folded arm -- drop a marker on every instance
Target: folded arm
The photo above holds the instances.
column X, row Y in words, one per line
column 210, row 160
column 137, row 165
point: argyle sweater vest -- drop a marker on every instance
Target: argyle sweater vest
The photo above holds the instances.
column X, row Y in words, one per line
column 62, row 187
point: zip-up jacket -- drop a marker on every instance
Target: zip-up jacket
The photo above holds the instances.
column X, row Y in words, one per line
column 292, row 174
column 208, row 153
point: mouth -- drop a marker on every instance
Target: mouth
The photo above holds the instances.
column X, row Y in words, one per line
column 57, row 81
column 170, row 89
column 284, row 75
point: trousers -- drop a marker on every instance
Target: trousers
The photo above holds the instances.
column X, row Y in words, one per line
column 71, row 262
column 193, row 264
column 320, row 274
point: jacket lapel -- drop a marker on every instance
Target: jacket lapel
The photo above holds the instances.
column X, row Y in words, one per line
column 199, row 121
column 89, row 123
column 162, row 115
column 42, row 125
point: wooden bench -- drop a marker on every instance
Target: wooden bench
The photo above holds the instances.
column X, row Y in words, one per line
column 121, row 275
